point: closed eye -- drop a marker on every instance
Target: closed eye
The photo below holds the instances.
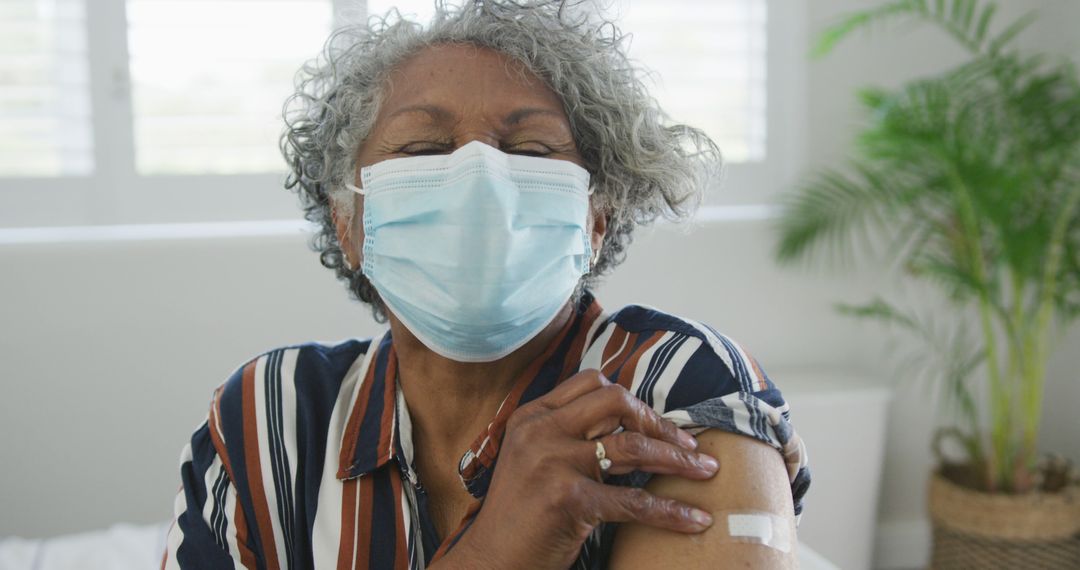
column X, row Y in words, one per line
column 528, row 149
column 424, row 149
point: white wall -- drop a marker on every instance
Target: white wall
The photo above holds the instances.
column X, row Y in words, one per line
column 110, row 349
column 887, row 58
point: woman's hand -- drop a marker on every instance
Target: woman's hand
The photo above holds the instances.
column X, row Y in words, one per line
column 545, row 496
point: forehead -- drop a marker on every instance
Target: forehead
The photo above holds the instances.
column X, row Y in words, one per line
column 466, row 78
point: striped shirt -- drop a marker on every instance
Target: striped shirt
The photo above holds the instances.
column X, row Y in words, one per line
column 305, row 459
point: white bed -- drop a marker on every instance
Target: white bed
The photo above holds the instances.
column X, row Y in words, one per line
column 120, row 547
column 139, row 547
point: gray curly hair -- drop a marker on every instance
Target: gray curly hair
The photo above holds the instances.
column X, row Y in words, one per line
column 641, row 166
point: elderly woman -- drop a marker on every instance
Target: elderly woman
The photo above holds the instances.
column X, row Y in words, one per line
column 472, row 179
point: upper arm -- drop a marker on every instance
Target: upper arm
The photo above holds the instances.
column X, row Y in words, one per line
column 208, row 529
column 752, row 477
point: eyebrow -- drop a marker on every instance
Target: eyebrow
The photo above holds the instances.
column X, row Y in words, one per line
column 436, row 112
column 441, row 114
column 522, row 114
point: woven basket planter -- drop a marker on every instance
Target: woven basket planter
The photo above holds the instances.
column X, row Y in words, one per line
column 995, row 530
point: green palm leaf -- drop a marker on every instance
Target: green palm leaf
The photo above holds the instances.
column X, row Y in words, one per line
column 966, row 21
column 971, row 180
column 828, row 210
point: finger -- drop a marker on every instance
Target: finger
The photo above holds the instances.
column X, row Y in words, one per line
column 574, row 387
column 603, row 410
column 633, row 451
column 611, row 503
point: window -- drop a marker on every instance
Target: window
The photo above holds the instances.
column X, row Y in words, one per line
column 708, row 62
column 160, row 111
column 45, row 97
column 732, row 68
column 242, row 61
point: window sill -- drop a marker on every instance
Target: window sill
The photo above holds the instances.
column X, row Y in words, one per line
column 267, row 228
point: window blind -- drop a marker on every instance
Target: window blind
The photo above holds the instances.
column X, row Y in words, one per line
column 209, row 78
column 419, row 10
column 45, row 124
column 708, row 59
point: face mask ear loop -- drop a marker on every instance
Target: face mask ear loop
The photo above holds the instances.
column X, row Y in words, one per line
column 595, row 254
column 344, row 255
column 348, row 231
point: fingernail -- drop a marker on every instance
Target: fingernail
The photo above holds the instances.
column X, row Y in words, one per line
column 688, row 441
column 708, row 462
column 701, row 517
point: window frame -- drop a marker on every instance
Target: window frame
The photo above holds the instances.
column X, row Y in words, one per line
column 114, row 193
column 759, row 183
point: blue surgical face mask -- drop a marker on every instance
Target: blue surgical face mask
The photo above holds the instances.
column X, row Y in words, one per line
column 477, row 251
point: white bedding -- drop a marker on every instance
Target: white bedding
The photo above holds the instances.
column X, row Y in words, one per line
column 139, row 547
column 120, row 547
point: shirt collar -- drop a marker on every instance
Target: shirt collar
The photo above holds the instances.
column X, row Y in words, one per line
column 373, row 428
column 370, row 430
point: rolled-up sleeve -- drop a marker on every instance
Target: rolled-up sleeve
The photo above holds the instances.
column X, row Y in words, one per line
column 208, row 529
column 722, row 386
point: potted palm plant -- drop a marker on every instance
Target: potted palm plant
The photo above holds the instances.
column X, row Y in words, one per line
column 970, row 180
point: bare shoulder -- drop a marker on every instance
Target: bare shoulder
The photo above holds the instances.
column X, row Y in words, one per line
column 752, row 477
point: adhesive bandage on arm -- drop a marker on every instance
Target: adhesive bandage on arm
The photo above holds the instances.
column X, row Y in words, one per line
column 755, row 527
